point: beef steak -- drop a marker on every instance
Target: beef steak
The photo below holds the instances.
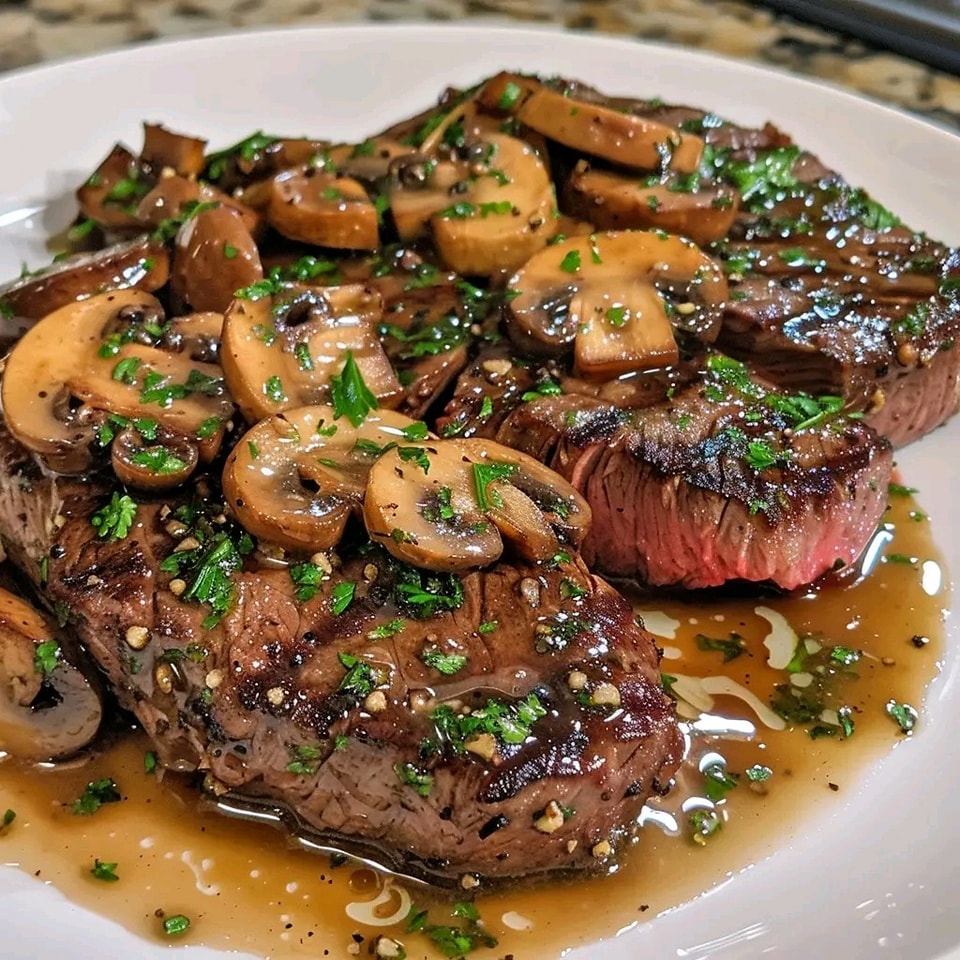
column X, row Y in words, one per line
column 503, row 731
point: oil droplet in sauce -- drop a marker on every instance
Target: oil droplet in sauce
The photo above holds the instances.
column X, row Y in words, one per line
column 244, row 887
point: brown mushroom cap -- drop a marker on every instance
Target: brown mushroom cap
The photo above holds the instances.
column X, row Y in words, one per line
column 295, row 478
column 621, row 138
column 613, row 201
column 42, row 380
column 142, row 263
column 282, row 352
column 214, row 256
column 503, row 216
column 111, row 193
column 41, row 717
column 448, row 505
column 606, row 289
column 324, row 210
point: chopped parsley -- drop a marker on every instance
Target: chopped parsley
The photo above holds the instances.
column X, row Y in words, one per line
column 247, row 149
column 488, row 626
column 510, row 96
column 114, row 520
column 273, row 389
column 445, row 663
column 304, row 759
column 731, row 648
column 571, row 262
column 509, row 722
column 150, row 762
column 176, row 926
column 208, row 569
column 717, row 781
column 411, row 776
column 158, row 460
column 758, row 773
column 352, row 398
column 307, row 578
column 359, row 679
column 759, row 455
column 387, row 630
column 484, row 474
column 104, row 871
column 208, row 428
column 903, row 715
column 95, row 795
column 126, row 370
column 453, row 941
column 46, row 656
column 342, row 596
column 704, row 825
column 8, row 817
column 546, row 388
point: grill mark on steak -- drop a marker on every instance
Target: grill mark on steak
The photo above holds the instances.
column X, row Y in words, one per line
column 243, row 695
column 675, row 499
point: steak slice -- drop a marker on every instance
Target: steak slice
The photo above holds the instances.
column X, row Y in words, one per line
column 519, row 758
column 696, row 478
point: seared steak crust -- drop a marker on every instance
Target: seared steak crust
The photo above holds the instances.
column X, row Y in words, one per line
column 259, row 702
column 698, row 479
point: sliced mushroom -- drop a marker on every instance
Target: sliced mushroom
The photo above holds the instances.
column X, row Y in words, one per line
column 449, row 504
column 602, row 131
column 600, row 287
column 49, row 710
column 296, row 478
column 421, row 187
column 164, row 149
column 111, row 193
column 324, row 210
column 43, row 383
column 281, row 352
column 214, row 256
column 142, row 263
column 505, row 214
column 613, row 201
column 158, row 464
column 174, row 197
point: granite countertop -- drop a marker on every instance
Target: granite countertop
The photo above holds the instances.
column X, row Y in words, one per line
column 32, row 31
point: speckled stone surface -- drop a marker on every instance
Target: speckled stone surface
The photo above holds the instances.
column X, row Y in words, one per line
column 32, row 31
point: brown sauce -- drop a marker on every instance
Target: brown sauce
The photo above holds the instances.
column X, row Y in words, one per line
column 244, row 889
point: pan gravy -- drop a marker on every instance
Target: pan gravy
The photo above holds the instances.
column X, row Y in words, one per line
column 244, row 889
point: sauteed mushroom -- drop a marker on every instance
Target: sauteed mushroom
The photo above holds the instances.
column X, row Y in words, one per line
column 282, row 352
column 295, row 478
column 323, row 209
column 142, row 263
column 48, row 708
column 601, row 131
column 163, row 149
column 613, row 201
column 214, row 256
column 603, row 293
column 48, row 391
column 449, row 504
column 503, row 216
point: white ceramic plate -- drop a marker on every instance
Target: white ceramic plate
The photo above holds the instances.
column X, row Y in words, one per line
column 878, row 877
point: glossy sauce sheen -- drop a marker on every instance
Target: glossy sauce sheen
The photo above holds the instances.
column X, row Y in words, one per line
column 244, row 889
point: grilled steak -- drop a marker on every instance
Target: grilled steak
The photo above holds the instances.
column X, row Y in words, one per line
column 356, row 723
column 696, row 478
